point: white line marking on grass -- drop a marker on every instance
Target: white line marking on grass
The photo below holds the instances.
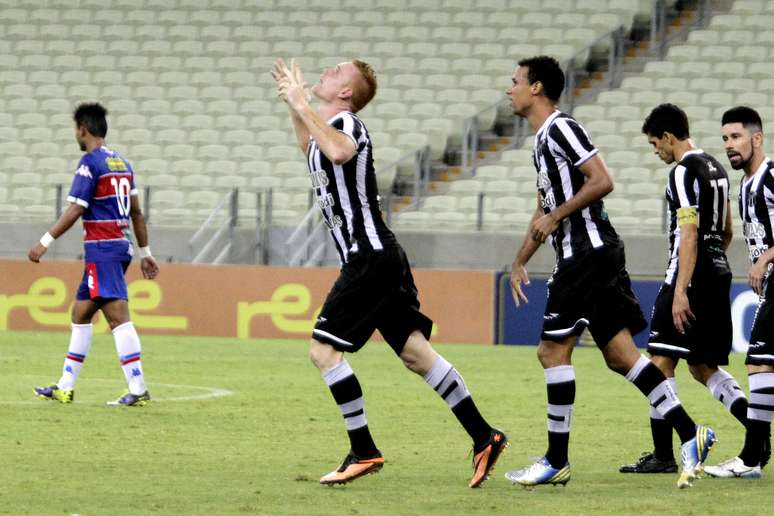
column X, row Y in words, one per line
column 209, row 392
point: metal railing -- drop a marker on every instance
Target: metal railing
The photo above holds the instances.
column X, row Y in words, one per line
column 659, row 35
column 219, row 246
column 263, row 207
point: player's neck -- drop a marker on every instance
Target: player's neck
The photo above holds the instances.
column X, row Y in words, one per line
column 329, row 110
column 539, row 113
column 95, row 143
column 681, row 147
column 754, row 164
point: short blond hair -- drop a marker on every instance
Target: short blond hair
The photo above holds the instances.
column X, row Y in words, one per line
column 366, row 90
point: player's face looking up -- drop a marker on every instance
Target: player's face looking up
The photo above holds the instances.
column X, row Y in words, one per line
column 336, row 82
column 663, row 147
column 520, row 91
column 739, row 145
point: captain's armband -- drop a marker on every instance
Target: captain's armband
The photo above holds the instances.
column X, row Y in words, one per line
column 687, row 216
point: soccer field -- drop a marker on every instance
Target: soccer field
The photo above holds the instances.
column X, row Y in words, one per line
column 248, row 427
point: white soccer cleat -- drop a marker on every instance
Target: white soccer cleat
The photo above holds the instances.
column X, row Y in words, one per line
column 734, row 468
column 693, row 453
column 541, row 472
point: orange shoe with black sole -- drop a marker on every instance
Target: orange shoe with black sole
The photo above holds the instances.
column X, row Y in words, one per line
column 353, row 467
column 484, row 460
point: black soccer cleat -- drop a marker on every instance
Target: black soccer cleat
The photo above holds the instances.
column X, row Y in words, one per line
column 649, row 463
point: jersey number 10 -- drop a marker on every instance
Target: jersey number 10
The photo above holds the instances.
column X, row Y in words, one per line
column 121, row 187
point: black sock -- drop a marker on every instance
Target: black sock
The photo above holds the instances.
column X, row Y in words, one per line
column 661, row 431
column 752, row 451
column 473, row 422
column 739, row 410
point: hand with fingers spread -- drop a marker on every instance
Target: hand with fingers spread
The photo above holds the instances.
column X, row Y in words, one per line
column 290, row 84
column 682, row 315
column 518, row 277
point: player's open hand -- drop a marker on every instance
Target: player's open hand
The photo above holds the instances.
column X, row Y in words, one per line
column 519, row 277
column 149, row 267
column 543, row 227
column 756, row 276
column 290, row 84
column 36, row 252
column 681, row 311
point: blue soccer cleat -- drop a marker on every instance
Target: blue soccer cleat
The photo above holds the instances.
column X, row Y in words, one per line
column 541, row 472
column 693, row 454
column 131, row 400
column 54, row 393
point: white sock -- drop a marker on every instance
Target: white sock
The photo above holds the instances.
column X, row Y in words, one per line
column 724, row 388
column 128, row 348
column 80, row 343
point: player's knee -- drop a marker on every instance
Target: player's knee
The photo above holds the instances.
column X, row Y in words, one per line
column 701, row 373
column 323, row 356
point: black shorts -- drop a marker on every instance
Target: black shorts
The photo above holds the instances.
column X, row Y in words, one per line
column 761, row 350
column 592, row 290
column 709, row 337
column 374, row 291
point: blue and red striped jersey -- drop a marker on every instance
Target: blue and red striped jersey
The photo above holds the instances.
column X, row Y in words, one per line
column 103, row 184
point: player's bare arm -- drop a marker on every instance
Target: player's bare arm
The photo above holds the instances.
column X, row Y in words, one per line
column 687, row 253
column 148, row 264
column 757, row 272
column 598, row 184
column 728, row 230
column 528, row 247
column 60, row 227
column 337, row 147
column 279, row 72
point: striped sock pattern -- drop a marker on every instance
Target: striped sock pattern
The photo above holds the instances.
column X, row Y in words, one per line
column 447, row 382
column 761, row 406
column 80, row 344
column 662, row 396
column 726, row 390
column 560, row 386
column 346, row 390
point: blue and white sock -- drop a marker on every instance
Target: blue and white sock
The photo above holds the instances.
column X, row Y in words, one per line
column 80, row 343
column 128, row 348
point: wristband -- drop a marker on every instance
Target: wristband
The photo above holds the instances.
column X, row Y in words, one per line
column 46, row 240
column 145, row 252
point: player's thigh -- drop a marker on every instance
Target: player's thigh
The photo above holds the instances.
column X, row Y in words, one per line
column 116, row 311
column 621, row 353
column 83, row 311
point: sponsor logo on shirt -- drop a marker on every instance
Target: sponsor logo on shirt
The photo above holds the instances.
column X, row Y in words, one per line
column 84, row 171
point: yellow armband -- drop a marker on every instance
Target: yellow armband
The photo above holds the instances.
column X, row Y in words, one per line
column 687, row 216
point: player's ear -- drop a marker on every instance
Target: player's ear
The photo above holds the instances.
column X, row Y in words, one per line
column 345, row 94
column 536, row 87
column 757, row 139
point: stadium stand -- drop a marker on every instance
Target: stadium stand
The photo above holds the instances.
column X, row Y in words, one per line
column 186, row 81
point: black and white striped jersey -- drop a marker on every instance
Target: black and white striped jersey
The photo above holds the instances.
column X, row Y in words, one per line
column 561, row 147
column 698, row 182
column 347, row 194
column 756, row 207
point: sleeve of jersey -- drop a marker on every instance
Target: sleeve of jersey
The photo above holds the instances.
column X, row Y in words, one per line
column 687, row 189
column 352, row 127
column 571, row 141
column 133, row 187
column 82, row 189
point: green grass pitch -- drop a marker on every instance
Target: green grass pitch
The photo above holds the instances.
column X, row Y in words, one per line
column 262, row 449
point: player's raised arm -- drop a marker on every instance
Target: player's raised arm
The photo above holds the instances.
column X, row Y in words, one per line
column 334, row 144
column 60, row 227
column 148, row 265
